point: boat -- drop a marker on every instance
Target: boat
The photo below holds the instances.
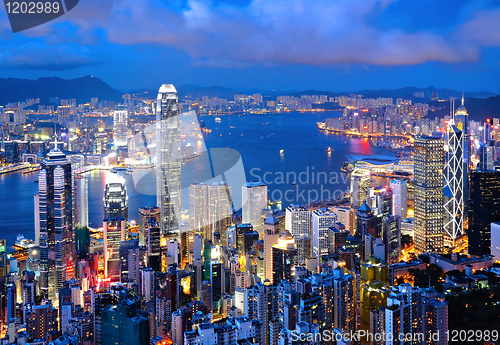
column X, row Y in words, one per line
column 23, row 243
column 329, row 150
column 282, row 151
column 36, row 181
column 217, row 119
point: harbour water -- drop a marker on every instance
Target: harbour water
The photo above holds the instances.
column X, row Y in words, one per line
column 304, row 171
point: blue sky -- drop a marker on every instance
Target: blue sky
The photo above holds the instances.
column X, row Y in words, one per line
column 336, row 45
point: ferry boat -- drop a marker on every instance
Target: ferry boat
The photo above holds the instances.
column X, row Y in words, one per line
column 23, row 243
column 329, row 150
column 282, row 151
column 217, row 119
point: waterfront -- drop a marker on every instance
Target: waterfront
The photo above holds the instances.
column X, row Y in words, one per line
column 258, row 138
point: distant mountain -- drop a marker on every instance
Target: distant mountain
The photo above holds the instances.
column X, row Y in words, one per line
column 479, row 109
column 409, row 92
column 82, row 89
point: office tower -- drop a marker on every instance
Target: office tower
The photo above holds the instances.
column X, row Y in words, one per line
column 343, row 303
column 435, row 317
column 254, row 201
column 82, row 242
column 322, row 220
column 284, row 256
column 337, row 237
column 271, row 236
column 198, row 208
column 454, row 181
column 359, row 189
column 82, row 202
column 147, row 284
column 428, row 181
column 391, row 235
column 56, row 201
column 374, row 288
column 168, row 161
column 11, row 301
column 399, row 198
column 495, row 241
column 298, row 220
column 120, row 122
column 145, row 213
column 129, row 261
column 366, row 222
column 219, row 210
column 304, row 245
column 40, row 319
column 124, row 324
column 404, row 314
column 153, row 244
column 486, row 155
column 345, row 215
column 114, row 233
column 216, row 278
column 484, row 209
column 461, row 121
column 115, row 200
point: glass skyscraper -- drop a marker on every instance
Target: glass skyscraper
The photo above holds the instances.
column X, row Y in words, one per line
column 56, row 212
column 168, row 161
column 428, row 177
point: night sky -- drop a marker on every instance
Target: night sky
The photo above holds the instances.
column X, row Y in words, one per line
column 336, row 45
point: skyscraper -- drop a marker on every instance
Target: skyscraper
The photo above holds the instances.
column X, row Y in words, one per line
column 82, row 201
column 399, row 198
column 56, row 211
column 461, row 121
column 254, row 200
column 114, row 233
column 298, row 220
column 168, row 161
column 484, row 209
column 146, row 213
column 455, row 177
column 284, row 256
column 120, row 117
column 322, row 220
column 428, row 176
column 115, row 201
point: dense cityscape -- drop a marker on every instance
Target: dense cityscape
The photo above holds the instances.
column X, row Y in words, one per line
column 375, row 264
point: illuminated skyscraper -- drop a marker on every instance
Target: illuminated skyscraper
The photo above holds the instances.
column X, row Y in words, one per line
column 145, row 214
column 455, row 176
column 56, row 212
column 428, row 176
column 399, row 198
column 322, row 220
column 168, row 161
column 284, row 256
column 120, row 117
column 298, row 220
column 115, row 201
column 254, row 201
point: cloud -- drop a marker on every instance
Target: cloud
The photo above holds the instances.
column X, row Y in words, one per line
column 274, row 32
column 46, row 57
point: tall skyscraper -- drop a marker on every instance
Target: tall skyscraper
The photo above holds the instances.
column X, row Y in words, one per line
column 146, row 213
column 428, row 176
column 114, row 233
column 115, row 200
column 399, row 198
column 168, row 161
column 82, row 201
column 284, row 256
column 120, row 122
column 298, row 220
column 461, row 121
column 359, row 189
column 254, row 201
column 271, row 236
column 322, row 220
column 56, row 211
column 455, row 177
column 198, row 208
column 484, row 209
